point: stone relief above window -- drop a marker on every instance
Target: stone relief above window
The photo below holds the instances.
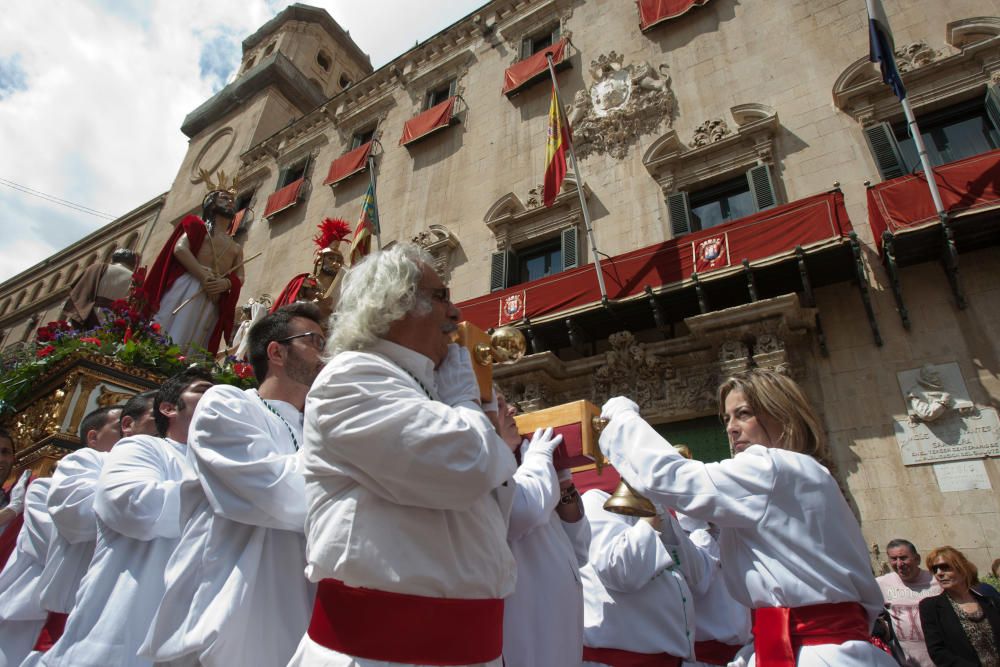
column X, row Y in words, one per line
column 439, row 242
column 623, row 103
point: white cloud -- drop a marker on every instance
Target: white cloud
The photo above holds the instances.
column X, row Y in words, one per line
column 92, row 97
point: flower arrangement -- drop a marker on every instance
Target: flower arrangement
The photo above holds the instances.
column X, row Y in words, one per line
column 125, row 336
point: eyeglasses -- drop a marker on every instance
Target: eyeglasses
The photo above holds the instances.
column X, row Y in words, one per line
column 943, row 567
column 315, row 339
column 442, row 294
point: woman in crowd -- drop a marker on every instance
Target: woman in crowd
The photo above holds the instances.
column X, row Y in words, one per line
column 793, row 550
column 961, row 626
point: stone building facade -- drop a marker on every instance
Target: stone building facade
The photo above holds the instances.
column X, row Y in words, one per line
column 725, row 114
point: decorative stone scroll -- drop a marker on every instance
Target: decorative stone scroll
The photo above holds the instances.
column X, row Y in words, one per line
column 439, row 242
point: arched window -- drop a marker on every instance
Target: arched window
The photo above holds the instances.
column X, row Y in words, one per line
column 323, row 60
column 269, row 49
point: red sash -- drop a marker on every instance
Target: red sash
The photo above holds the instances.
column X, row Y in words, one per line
column 616, row 657
column 715, row 653
column 396, row 627
column 779, row 632
column 53, row 629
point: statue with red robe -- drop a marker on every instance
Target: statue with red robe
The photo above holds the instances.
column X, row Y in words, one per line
column 318, row 287
column 193, row 287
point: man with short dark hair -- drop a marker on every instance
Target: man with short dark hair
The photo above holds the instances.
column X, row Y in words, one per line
column 235, row 590
column 141, row 509
column 137, row 415
column 903, row 589
column 100, row 429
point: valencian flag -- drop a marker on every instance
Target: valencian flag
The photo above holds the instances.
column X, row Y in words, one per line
column 881, row 47
column 556, row 145
column 367, row 225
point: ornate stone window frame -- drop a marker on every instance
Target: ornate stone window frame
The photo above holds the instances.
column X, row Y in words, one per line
column 515, row 224
column 933, row 80
column 423, row 77
column 676, row 167
column 439, row 241
column 519, row 25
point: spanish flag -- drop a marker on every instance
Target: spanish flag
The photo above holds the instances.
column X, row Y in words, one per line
column 361, row 245
column 556, row 145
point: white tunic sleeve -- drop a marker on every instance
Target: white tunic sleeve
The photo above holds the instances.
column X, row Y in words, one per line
column 579, row 537
column 373, row 424
column 625, row 553
column 693, row 563
column 249, row 474
column 734, row 492
column 536, row 492
column 135, row 496
column 71, row 496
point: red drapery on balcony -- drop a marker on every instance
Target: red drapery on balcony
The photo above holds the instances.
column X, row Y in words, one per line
column 237, row 219
column 653, row 12
column 348, row 164
column 421, row 125
column 905, row 202
column 525, row 70
column 812, row 222
column 284, row 198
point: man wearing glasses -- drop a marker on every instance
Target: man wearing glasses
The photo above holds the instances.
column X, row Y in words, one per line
column 407, row 481
column 236, row 593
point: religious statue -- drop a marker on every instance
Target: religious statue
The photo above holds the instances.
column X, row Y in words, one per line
column 252, row 311
column 98, row 287
column 319, row 286
column 928, row 399
column 194, row 285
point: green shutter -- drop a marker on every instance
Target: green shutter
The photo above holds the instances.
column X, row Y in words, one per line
column 992, row 104
column 885, row 150
column 570, row 252
column 680, row 213
column 501, row 263
column 761, row 187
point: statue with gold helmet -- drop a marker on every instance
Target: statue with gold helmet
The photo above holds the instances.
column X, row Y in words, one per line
column 319, row 286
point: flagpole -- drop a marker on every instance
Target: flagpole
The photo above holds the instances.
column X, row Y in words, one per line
column 579, row 184
column 377, row 223
column 911, row 121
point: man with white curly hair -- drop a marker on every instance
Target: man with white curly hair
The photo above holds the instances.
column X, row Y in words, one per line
column 406, row 482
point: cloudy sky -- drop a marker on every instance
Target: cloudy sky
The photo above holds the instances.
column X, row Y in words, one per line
column 93, row 92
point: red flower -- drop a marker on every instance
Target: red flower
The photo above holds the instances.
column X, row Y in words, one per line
column 155, row 326
column 91, row 339
column 119, row 306
column 120, row 322
column 242, row 370
column 45, row 334
column 45, row 351
column 128, row 335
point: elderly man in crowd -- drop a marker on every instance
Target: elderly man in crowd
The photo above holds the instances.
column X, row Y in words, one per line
column 235, row 591
column 140, row 508
column 407, row 482
column 903, row 589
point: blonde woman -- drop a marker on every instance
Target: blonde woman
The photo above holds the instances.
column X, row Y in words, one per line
column 793, row 551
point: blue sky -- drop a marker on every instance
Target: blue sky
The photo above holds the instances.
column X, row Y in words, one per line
column 92, row 95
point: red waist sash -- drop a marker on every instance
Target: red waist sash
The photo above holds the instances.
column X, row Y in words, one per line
column 616, row 657
column 779, row 632
column 396, row 627
column 715, row 653
column 55, row 624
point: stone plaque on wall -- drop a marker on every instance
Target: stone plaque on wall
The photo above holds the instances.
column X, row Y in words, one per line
column 962, row 475
column 942, row 423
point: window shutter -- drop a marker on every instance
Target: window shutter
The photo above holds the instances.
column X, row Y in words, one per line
column 885, row 150
column 452, row 87
column 761, row 187
column 500, row 266
column 555, row 34
column 525, row 48
column 680, row 213
column 992, row 104
column 570, row 253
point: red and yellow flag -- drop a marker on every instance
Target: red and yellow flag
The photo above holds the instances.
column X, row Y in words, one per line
column 556, row 145
column 361, row 245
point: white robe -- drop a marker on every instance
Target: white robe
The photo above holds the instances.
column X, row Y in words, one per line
column 21, row 613
column 543, row 617
column 141, row 510
column 637, row 585
column 405, row 493
column 71, row 505
column 193, row 324
column 235, row 592
column 788, row 536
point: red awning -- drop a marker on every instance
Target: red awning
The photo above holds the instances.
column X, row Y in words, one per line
column 654, row 12
column 905, row 203
column 813, row 222
column 349, row 164
column 237, row 219
column 286, row 197
column 421, row 125
column 524, row 71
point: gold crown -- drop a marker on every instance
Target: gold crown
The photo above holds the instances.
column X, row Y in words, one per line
column 221, row 183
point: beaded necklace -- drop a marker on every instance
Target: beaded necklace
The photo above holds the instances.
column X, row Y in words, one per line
column 417, row 380
column 295, row 441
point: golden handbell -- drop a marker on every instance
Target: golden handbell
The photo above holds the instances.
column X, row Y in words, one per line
column 625, row 500
column 505, row 344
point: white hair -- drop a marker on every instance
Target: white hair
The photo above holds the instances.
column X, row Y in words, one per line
column 377, row 292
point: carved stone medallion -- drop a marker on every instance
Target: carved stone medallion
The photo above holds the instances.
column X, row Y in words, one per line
column 624, row 103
